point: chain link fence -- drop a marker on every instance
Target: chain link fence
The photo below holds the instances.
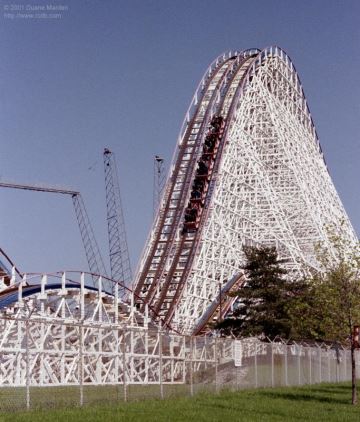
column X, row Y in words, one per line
column 47, row 362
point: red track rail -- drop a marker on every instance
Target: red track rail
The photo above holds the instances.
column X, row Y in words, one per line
column 170, row 257
column 172, row 207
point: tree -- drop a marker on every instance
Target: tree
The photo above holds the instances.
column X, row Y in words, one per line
column 263, row 302
column 305, row 314
column 331, row 308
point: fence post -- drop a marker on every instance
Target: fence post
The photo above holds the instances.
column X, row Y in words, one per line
column 27, row 374
column 160, row 362
column 237, row 368
column 205, row 350
column 191, row 367
column 286, row 364
column 329, row 365
column 216, row 365
column 344, row 357
column 299, row 364
column 255, row 365
column 272, row 364
column 81, row 363
column 310, row 367
column 320, row 371
column 81, row 332
column 124, row 363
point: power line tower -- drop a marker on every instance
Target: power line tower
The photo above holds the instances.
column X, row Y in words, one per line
column 159, row 181
column 118, row 248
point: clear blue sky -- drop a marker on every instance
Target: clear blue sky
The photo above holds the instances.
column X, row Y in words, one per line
column 121, row 74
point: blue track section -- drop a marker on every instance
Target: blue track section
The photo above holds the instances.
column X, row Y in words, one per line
column 10, row 296
column 5, row 268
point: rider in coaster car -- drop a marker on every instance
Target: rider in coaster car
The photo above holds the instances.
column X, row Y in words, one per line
column 203, row 168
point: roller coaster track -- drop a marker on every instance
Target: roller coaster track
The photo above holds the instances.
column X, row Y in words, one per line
column 248, row 169
column 255, row 187
column 211, row 102
column 7, row 268
column 169, row 213
column 188, row 249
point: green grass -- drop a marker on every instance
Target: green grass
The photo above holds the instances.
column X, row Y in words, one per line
column 321, row 402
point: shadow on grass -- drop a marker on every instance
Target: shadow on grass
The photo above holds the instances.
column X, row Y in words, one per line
column 250, row 414
column 307, row 397
column 332, row 390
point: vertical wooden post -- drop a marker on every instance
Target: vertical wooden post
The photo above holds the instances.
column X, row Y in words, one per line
column 272, row 365
column 124, row 363
column 286, row 365
column 160, row 363
column 191, row 367
column 81, row 363
column 27, row 375
column 216, row 366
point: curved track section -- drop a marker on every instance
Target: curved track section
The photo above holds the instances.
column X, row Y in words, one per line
column 64, row 295
column 72, row 292
column 8, row 269
column 247, row 169
column 57, row 329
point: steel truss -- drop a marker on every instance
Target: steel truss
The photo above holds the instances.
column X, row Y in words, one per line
column 267, row 184
column 118, row 248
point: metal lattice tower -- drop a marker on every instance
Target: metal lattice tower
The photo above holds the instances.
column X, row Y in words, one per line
column 92, row 251
column 118, row 248
column 248, row 169
column 159, row 182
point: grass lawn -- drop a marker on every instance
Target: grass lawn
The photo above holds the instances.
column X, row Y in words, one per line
column 321, row 402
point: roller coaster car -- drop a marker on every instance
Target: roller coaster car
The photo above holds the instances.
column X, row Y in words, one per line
column 202, row 170
column 209, row 157
column 199, row 183
column 191, row 224
column 198, row 202
column 210, row 138
column 190, row 227
column 197, row 198
column 191, row 213
column 207, row 150
column 216, row 130
column 195, row 194
column 192, row 216
column 209, row 146
column 216, row 122
column 203, row 176
column 206, row 158
column 199, row 187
